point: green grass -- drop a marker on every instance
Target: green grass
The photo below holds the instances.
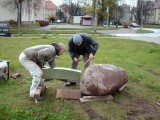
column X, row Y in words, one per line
column 143, row 31
column 140, row 59
column 37, row 32
column 24, row 26
column 28, row 29
column 152, row 26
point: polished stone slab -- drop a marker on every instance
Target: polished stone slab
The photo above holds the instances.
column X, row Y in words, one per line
column 61, row 74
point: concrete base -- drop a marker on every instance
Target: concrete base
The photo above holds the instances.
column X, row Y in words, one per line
column 61, row 74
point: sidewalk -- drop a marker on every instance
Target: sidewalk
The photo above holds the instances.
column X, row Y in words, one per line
column 126, row 33
column 131, row 34
column 61, row 25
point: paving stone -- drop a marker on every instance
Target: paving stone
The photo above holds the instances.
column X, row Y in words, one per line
column 68, row 94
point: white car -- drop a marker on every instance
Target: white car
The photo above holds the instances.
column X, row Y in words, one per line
column 133, row 25
column 59, row 21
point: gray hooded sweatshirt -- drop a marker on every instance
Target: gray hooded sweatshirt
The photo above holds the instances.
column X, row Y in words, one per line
column 41, row 54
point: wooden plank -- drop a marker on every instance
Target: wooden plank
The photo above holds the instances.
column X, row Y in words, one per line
column 61, row 74
column 68, row 94
column 95, row 98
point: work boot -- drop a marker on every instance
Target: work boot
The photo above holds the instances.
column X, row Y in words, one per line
column 68, row 84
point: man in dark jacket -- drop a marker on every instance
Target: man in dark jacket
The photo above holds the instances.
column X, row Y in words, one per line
column 82, row 44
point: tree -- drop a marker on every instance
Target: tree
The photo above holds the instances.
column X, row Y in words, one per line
column 87, row 9
column 102, row 7
column 60, row 14
column 142, row 10
column 72, row 9
column 17, row 5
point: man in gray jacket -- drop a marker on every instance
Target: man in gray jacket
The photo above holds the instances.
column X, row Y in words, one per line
column 34, row 58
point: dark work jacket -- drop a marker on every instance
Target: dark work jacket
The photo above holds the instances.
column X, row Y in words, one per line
column 89, row 43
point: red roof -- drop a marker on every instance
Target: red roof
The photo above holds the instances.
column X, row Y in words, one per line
column 50, row 5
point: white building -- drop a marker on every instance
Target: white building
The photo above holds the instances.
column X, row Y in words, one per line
column 31, row 11
column 51, row 9
column 7, row 15
column 154, row 16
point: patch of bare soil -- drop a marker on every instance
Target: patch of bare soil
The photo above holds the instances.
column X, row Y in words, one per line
column 91, row 113
column 142, row 109
column 153, row 72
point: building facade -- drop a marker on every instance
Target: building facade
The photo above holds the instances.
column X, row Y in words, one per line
column 154, row 13
column 51, row 10
column 31, row 11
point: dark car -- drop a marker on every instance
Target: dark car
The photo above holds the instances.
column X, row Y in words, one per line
column 5, row 29
column 115, row 23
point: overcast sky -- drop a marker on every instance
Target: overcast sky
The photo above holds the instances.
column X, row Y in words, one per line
column 129, row 2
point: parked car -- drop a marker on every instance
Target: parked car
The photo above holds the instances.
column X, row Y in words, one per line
column 115, row 23
column 5, row 29
column 133, row 25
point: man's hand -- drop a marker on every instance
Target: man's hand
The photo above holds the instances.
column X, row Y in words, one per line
column 76, row 60
column 91, row 56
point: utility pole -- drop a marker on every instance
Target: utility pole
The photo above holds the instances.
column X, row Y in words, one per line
column 95, row 16
column 141, row 14
column 19, row 17
column 107, row 17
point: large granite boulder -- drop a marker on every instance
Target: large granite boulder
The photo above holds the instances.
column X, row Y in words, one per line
column 102, row 79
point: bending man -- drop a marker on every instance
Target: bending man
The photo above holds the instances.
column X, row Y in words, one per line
column 34, row 58
column 82, row 44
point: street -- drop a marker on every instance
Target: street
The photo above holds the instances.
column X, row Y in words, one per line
column 126, row 33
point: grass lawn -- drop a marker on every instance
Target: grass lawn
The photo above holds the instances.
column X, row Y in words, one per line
column 138, row 100
column 30, row 29
column 143, row 31
column 152, row 26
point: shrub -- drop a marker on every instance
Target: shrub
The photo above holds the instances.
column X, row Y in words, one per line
column 43, row 23
column 52, row 19
column 12, row 22
column 125, row 25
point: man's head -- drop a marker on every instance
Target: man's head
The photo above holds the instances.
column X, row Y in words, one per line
column 60, row 48
column 77, row 39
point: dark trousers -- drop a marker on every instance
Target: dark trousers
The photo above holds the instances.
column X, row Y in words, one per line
column 85, row 58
